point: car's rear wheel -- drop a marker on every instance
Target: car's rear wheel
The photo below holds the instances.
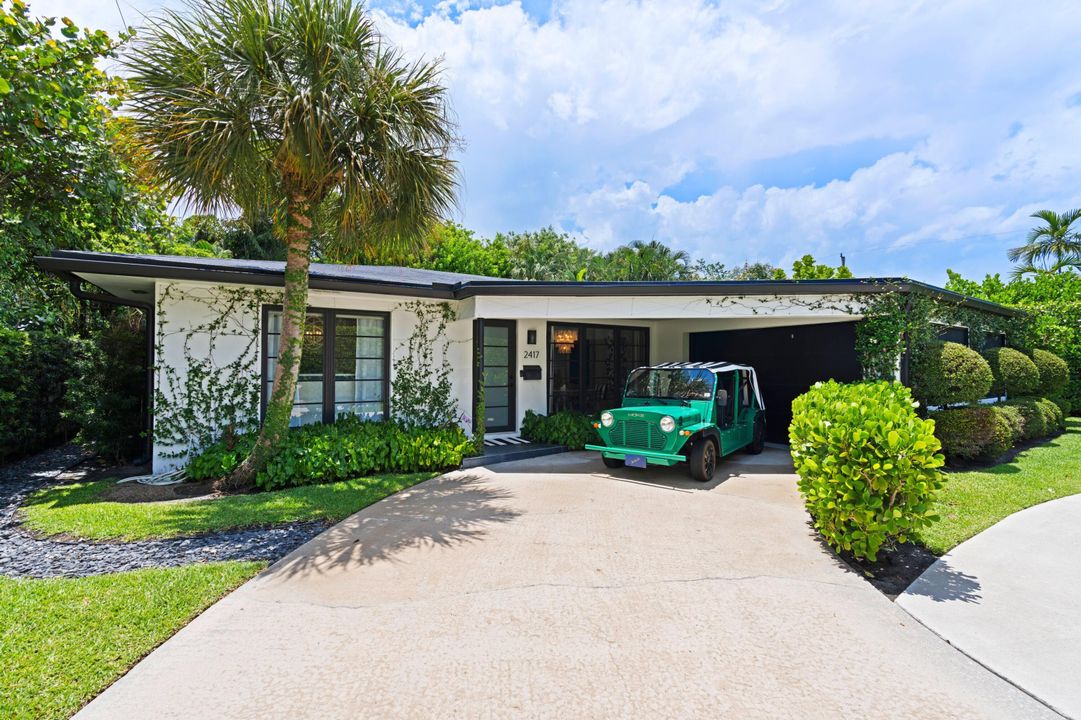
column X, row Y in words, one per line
column 612, row 462
column 758, row 439
column 703, row 460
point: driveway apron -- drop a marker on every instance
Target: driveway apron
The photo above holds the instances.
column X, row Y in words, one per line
column 552, row 588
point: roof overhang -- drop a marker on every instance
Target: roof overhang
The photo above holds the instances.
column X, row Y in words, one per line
column 128, row 277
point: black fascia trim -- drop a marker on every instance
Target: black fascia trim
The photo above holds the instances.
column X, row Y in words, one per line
column 203, row 273
column 62, row 263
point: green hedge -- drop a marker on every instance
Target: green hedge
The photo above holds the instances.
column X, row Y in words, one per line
column 1014, row 372
column 572, row 430
column 867, row 464
column 948, row 373
column 982, row 432
column 1054, row 372
column 35, row 368
column 347, row 449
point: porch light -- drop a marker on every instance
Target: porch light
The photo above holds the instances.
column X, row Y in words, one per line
column 564, row 339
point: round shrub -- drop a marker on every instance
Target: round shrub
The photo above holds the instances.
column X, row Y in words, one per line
column 1053, row 416
column 948, row 373
column 970, row 433
column 1054, row 372
column 1015, row 421
column 1033, row 418
column 867, row 464
column 1014, row 373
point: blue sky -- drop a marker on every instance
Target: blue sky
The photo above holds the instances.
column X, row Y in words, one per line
column 910, row 136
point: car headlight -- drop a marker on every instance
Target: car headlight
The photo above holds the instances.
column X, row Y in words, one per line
column 668, row 423
column 606, row 419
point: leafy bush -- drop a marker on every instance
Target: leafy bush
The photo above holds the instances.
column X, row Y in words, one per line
column 347, row 449
column 1014, row 372
column 34, row 371
column 981, row 432
column 1016, row 422
column 1054, row 372
column 105, row 398
column 948, row 373
column 868, row 465
column 1041, row 417
column 572, row 430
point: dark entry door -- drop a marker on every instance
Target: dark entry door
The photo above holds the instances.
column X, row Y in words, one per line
column 788, row 360
column 497, row 363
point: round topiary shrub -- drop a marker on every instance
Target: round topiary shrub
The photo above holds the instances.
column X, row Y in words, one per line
column 1014, row 373
column 973, row 433
column 867, row 464
column 948, row 373
column 1033, row 417
column 1054, row 418
column 1054, row 372
column 1016, row 422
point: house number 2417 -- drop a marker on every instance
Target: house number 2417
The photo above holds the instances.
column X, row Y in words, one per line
column 531, row 354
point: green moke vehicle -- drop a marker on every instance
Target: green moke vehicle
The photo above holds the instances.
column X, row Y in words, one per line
column 684, row 412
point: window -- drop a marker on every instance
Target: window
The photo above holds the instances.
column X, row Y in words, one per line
column 589, row 364
column 344, row 368
column 953, row 333
column 994, row 340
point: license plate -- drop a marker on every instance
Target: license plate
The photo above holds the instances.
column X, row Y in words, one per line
column 637, row 461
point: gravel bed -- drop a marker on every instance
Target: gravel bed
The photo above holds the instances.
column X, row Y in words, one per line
column 22, row 555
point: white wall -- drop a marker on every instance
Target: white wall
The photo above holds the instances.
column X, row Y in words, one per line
column 182, row 314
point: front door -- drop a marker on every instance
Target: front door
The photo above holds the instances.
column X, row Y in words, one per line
column 497, row 374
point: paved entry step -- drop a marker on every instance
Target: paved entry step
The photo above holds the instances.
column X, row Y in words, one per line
column 509, row 448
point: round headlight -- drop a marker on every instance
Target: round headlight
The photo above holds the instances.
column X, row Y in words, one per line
column 606, row 419
column 668, row 423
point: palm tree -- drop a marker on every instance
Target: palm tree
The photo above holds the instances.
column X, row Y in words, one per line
column 292, row 106
column 1049, row 248
column 651, row 260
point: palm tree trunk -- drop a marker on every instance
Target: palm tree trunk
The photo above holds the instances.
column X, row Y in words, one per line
column 294, row 312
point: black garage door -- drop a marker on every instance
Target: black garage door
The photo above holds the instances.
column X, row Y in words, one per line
column 788, row 360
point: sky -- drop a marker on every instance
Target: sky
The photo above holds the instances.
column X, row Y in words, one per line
column 910, row 136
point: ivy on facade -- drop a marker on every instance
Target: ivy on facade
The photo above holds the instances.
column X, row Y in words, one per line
column 199, row 397
column 421, row 393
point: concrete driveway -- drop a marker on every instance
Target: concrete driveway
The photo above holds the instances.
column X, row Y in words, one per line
column 1011, row 598
column 553, row 589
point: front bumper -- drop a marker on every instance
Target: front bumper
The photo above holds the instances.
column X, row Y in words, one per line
column 651, row 456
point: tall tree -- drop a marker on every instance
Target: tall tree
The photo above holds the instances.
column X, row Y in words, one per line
column 294, row 105
column 651, row 260
column 1051, row 247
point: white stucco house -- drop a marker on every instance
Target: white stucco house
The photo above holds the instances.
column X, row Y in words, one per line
column 541, row 346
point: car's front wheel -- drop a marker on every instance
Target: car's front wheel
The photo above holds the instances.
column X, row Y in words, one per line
column 612, row 462
column 703, row 460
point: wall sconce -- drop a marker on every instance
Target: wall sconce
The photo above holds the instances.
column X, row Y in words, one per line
column 565, row 339
column 530, row 337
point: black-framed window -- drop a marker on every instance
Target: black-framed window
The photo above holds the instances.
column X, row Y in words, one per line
column 953, row 333
column 344, row 369
column 589, row 364
column 994, row 340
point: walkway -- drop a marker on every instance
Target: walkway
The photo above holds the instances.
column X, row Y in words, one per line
column 551, row 589
column 1011, row 598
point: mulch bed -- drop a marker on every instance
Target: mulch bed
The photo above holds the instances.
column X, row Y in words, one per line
column 895, row 569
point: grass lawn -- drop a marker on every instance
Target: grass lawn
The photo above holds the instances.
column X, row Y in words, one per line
column 63, row 641
column 973, row 501
column 77, row 510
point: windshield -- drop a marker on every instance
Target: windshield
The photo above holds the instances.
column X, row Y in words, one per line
column 671, row 383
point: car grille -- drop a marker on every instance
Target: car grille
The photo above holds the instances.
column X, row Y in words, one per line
column 638, row 434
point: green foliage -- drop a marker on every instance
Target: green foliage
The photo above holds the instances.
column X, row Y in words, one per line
column 35, row 368
column 1052, row 302
column 1054, row 372
column 106, row 395
column 703, row 270
column 1050, row 248
column 947, row 373
column 349, row 448
column 806, row 268
column 867, row 464
column 642, row 261
column 455, row 249
column 1014, row 373
column 546, row 255
column 1040, row 417
column 572, row 430
column 421, row 391
column 981, row 432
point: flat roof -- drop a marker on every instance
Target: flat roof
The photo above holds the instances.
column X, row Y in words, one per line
column 395, row 280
